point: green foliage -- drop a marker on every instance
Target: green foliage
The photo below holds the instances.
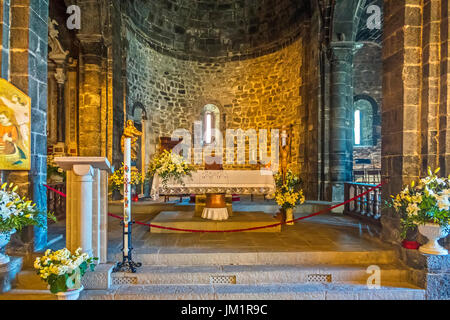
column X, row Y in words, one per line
column 426, row 201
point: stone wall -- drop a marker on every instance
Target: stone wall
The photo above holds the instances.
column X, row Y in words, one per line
column 28, row 71
column 258, row 93
column 367, row 82
column 211, row 29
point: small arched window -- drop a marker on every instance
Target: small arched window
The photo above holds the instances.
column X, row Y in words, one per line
column 363, row 122
column 211, row 121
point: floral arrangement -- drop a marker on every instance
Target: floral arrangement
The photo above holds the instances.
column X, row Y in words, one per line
column 289, row 194
column 17, row 212
column 169, row 165
column 116, row 179
column 63, row 270
column 53, row 169
column 424, row 202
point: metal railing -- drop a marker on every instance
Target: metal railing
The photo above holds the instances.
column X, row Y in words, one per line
column 55, row 202
column 366, row 208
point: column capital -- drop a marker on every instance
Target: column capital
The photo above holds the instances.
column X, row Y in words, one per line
column 83, row 170
column 343, row 50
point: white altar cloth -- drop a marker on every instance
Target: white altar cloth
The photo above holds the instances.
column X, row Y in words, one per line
column 217, row 181
column 217, row 214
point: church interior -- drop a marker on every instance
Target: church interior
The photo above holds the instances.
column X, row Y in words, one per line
column 232, row 149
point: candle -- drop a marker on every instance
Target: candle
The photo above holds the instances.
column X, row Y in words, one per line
column 126, row 192
column 284, row 138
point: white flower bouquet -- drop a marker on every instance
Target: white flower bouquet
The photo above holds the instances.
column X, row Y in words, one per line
column 424, row 202
column 17, row 212
column 168, row 165
column 63, row 270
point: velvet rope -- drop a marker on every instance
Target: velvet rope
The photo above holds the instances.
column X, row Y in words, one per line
column 246, row 229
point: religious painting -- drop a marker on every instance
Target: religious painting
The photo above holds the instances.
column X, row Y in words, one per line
column 15, row 115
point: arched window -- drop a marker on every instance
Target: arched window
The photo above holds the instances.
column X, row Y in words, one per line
column 364, row 121
column 211, row 121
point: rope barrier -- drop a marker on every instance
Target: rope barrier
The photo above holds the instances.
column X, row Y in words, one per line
column 246, row 229
column 56, row 191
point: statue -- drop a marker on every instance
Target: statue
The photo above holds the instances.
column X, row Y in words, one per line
column 285, row 151
column 131, row 132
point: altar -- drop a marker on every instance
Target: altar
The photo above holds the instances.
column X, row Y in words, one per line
column 216, row 184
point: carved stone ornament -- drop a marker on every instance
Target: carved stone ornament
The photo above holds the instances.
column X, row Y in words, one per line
column 57, row 53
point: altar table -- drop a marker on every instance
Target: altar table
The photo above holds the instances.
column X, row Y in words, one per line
column 215, row 184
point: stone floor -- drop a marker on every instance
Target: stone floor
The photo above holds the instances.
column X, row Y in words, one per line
column 326, row 232
column 280, row 265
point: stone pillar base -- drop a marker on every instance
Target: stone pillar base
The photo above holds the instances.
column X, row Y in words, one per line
column 99, row 279
column 8, row 273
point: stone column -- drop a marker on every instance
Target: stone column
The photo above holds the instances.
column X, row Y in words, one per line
column 415, row 122
column 28, row 72
column 86, row 204
column 341, row 117
column 91, row 86
column 79, row 208
column 61, row 110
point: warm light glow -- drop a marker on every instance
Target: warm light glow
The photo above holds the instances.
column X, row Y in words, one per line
column 357, row 127
column 208, row 131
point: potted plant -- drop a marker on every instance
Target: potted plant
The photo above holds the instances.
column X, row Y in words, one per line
column 116, row 180
column 16, row 213
column 62, row 271
column 425, row 205
column 168, row 165
column 288, row 194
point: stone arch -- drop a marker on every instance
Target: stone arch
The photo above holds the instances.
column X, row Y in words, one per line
column 376, row 119
column 346, row 16
column 136, row 106
column 199, row 109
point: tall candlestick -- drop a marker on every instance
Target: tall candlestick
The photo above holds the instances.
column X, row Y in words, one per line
column 127, row 264
column 126, row 190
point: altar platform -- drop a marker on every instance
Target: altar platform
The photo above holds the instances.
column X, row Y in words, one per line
column 188, row 220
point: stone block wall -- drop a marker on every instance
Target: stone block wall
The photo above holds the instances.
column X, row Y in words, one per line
column 27, row 69
column 257, row 93
column 367, row 81
column 212, row 29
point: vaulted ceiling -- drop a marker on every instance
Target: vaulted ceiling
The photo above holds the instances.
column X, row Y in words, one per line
column 216, row 28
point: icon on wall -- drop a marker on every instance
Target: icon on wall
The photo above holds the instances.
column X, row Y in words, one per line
column 15, row 116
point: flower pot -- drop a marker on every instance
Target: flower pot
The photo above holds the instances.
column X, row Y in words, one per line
column 412, row 245
column 4, row 240
column 433, row 232
column 73, row 294
column 290, row 216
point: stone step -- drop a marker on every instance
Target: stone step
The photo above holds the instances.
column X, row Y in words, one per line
column 29, row 280
column 24, row 294
column 178, row 257
column 394, row 291
column 258, row 274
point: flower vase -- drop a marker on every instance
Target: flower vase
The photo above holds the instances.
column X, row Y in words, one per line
column 433, row 232
column 289, row 216
column 4, row 240
column 72, row 294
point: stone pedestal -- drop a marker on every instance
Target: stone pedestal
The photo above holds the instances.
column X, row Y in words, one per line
column 87, row 204
column 8, row 273
column 200, row 203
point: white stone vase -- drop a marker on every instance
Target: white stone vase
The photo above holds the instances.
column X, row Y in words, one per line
column 4, row 240
column 290, row 216
column 70, row 294
column 433, row 232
